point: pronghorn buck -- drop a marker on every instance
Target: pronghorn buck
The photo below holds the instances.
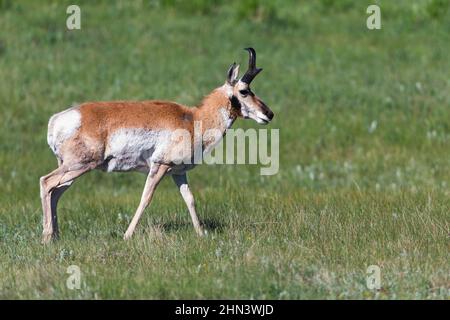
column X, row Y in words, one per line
column 138, row 135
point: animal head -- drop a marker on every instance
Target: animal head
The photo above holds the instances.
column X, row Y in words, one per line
column 247, row 104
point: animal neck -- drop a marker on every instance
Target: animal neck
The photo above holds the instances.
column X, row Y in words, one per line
column 215, row 111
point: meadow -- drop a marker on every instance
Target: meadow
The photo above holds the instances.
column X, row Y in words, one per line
column 364, row 177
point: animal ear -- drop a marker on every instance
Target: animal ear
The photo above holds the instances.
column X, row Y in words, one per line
column 233, row 73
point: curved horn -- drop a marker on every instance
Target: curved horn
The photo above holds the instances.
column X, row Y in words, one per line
column 252, row 69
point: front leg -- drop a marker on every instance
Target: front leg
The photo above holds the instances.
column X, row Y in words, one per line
column 182, row 183
column 157, row 171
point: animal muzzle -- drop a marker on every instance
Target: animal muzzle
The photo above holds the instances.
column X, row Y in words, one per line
column 266, row 114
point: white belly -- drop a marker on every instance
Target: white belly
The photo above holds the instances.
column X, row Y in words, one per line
column 135, row 149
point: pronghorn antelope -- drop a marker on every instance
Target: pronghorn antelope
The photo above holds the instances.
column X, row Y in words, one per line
column 135, row 135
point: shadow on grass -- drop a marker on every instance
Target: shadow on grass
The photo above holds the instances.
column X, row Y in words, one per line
column 208, row 224
column 173, row 226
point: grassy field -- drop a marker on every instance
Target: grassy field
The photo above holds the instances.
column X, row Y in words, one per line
column 364, row 179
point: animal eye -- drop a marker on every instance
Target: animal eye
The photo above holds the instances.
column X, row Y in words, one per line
column 244, row 92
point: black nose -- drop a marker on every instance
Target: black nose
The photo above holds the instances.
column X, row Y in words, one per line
column 269, row 114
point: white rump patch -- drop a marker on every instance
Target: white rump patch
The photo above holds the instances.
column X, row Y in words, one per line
column 62, row 126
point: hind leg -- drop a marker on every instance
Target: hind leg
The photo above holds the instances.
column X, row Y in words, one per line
column 54, row 199
column 46, row 205
column 53, row 186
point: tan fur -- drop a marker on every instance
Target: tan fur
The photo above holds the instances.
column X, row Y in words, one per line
column 99, row 119
column 208, row 110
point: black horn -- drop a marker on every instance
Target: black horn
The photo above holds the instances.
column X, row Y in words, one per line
column 252, row 69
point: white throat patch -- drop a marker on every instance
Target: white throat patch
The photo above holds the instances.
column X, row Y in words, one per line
column 226, row 117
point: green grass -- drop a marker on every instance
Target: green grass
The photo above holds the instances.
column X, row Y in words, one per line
column 364, row 119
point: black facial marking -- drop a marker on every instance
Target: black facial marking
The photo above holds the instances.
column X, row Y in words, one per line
column 235, row 102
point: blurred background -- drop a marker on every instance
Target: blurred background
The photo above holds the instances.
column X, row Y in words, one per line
column 364, row 119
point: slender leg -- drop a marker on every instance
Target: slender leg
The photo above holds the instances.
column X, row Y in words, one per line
column 157, row 171
column 46, row 210
column 53, row 186
column 183, row 186
column 54, row 199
